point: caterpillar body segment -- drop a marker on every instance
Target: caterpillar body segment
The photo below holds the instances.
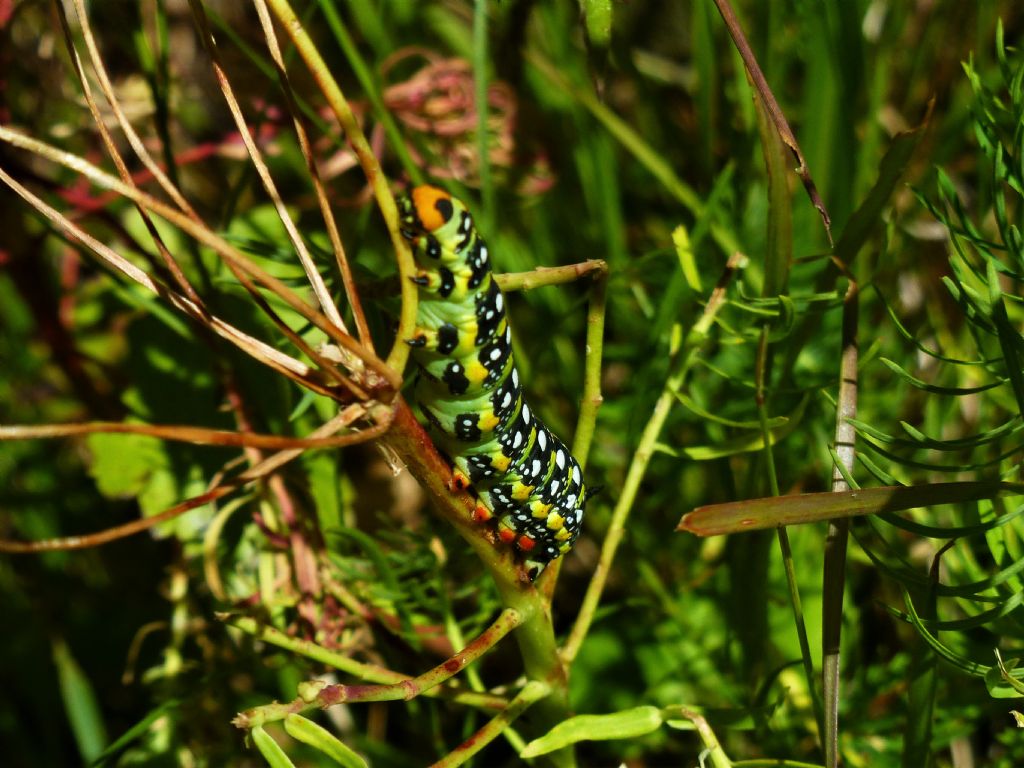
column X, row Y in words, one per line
column 469, row 391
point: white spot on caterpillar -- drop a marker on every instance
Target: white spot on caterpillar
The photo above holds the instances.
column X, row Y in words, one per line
column 495, row 354
column 507, row 401
column 571, row 500
column 535, row 469
column 508, row 336
column 576, row 477
column 489, row 315
column 483, row 253
column 517, row 440
column 499, row 302
column 560, row 458
column 542, row 440
column 526, row 412
column 554, row 486
column 515, row 378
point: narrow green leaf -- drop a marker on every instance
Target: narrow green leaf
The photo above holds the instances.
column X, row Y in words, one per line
column 627, row 724
column 950, row 532
column 136, row 731
column 954, row 658
column 1009, row 337
column 308, row 732
column 868, row 216
column 597, row 15
column 921, row 686
column 745, row 443
column 1005, row 673
column 895, row 320
column 934, row 388
column 270, row 749
column 80, row 704
column 687, row 261
column 688, row 403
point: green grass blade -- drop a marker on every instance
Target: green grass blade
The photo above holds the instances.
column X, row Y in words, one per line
column 81, row 705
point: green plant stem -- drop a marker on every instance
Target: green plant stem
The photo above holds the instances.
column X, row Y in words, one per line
column 481, row 85
column 713, row 750
column 533, row 692
column 372, row 89
column 399, row 354
column 323, row 695
column 535, row 636
column 591, row 398
column 778, row 258
column 544, row 276
column 679, row 368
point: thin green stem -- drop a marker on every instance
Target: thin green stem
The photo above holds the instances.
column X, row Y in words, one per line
column 372, row 90
column 535, row 636
column 399, row 687
column 543, row 276
column 679, row 368
column 481, row 85
column 591, row 399
column 713, row 751
column 399, row 354
column 532, row 692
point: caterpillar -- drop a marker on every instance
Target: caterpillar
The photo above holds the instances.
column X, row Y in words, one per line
column 468, row 391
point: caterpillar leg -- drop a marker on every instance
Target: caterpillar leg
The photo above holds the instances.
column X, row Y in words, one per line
column 459, row 480
column 443, row 340
column 509, row 535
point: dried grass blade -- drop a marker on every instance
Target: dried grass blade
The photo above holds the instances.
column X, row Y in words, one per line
column 362, row 329
column 133, row 138
column 179, row 433
column 315, row 279
column 284, row 364
column 260, row 470
column 208, row 238
column 122, row 169
column 399, row 354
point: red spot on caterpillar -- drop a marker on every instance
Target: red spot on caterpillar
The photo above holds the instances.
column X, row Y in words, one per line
column 507, row 535
column 481, row 514
column 526, row 543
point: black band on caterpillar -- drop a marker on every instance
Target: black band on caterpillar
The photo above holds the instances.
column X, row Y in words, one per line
column 469, row 391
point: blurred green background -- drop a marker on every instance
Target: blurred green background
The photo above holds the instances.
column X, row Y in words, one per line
column 596, row 149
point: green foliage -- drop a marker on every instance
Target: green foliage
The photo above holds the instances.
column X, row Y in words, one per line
column 621, row 131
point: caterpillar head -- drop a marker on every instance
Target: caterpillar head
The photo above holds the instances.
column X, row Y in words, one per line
column 426, row 210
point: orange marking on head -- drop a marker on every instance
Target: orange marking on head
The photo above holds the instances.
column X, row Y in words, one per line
column 425, row 199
